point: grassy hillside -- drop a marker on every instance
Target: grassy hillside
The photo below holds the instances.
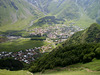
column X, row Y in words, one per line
column 6, row 72
column 16, row 14
column 20, row 44
column 83, row 47
column 83, row 12
column 90, row 68
column 91, row 34
column 3, row 39
column 71, row 73
column 67, row 55
column 47, row 21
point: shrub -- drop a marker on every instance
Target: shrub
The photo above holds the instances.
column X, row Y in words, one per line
column 97, row 51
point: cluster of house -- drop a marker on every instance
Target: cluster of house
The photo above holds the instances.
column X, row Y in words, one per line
column 60, row 32
column 13, row 37
column 53, row 32
column 26, row 56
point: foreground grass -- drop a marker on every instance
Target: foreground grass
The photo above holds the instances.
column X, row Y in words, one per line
column 6, row 72
column 91, row 68
column 20, row 44
column 72, row 73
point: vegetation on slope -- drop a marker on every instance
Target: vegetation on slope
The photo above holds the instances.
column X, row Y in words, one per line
column 63, row 56
column 11, row 64
column 84, row 12
column 91, row 68
column 91, row 34
column 16, row 13
column 7, row 72
column 76, row 51
column 48, row 20
column 3, row 39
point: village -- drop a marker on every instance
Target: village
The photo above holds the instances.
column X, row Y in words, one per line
column 26, row 56
column 55, row 34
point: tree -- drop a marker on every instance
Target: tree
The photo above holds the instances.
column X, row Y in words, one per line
column 97, row 51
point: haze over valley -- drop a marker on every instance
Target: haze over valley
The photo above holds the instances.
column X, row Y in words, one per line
column 50, row 37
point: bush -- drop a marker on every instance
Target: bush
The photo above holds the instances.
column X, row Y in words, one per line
column 97, row 51
column 67, row 55
column 11, row 64
column 88, row 57
column 38, row 38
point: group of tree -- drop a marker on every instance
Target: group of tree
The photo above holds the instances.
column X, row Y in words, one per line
column 64, row 56
column 11, row 64
column 50, row 20
column 82, row 47
column 38, row 38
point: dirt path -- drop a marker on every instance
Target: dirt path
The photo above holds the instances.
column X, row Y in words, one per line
column 88, row 70
column 29, row 73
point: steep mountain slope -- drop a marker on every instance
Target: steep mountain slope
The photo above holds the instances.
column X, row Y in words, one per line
column 69, row 7
column 65, row 55
column 92, row 7
column 12, row 11
column 83, row 12
column 61, row 8
column 91, row 34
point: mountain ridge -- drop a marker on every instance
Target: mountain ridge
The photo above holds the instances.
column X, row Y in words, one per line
column 88, row 35
column 49, row 6
column 14, row 10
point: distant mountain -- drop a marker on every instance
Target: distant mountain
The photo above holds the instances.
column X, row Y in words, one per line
column 70, row 9
column 13, row 10
column 47, row 20
column 83, row 12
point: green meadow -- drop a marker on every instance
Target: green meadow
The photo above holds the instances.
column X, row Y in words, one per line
column 19, row 25
column 20, row 44
column 73, row 73
column 6, row 72
column 91, row 68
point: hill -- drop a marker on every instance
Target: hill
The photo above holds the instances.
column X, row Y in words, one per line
column 83, row 12
column 91, row 34
column 90, row 68
column 7, row 72
column 47, row 20
column 17, row 14
column 71, row 8
column 14, row 13
column 65, row 55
